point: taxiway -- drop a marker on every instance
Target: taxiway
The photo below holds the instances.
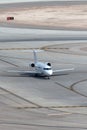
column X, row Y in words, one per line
column 36, row 103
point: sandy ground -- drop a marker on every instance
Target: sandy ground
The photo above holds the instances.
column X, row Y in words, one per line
column 73, row 16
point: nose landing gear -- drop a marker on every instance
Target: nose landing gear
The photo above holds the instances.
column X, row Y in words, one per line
column 48, row 77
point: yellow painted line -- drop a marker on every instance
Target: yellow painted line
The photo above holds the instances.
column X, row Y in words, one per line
column 18, row 48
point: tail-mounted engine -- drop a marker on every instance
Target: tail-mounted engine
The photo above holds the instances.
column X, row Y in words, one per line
column 49, row 64
column 32, row 65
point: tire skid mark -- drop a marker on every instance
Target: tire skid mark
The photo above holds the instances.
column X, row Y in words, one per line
column 9, row 62
column 73, row 89
column 41, row 125
column 9, row 92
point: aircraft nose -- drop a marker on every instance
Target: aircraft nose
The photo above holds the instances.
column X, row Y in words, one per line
column 50, row 72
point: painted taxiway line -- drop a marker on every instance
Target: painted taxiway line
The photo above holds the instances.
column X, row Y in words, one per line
column 62, row 114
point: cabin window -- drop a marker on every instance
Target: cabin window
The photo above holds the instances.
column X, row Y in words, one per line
column 47, row 68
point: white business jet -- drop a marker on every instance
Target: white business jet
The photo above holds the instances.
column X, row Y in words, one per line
column 43, row 69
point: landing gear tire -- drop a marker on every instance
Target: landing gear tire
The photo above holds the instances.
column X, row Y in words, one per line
column 48, row 77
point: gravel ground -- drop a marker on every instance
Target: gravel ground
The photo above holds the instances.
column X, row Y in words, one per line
column 70, row 16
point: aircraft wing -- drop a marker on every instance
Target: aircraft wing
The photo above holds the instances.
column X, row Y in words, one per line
column 22, row 72
column 62, row 71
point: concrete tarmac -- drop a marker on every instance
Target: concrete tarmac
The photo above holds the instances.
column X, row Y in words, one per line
column 36, row 103
column 58, row 103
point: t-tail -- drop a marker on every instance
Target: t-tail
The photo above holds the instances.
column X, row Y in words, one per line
column 35, row 56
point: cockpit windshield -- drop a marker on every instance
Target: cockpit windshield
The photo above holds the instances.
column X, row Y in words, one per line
column 47, row 68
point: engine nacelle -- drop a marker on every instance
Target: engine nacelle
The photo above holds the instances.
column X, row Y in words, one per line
column 32, row 65
column 49, row 64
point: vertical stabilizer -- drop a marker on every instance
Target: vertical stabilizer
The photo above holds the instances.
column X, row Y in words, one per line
column 35, row 56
